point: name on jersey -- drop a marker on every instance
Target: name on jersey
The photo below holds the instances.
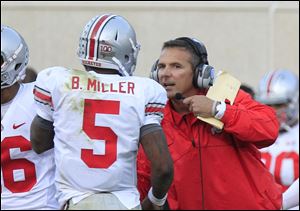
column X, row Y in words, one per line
column 94, row 85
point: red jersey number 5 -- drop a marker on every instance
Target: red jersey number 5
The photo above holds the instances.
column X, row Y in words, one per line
column 95, row 133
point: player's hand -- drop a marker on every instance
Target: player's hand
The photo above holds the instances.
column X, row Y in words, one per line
column 199, row 105
column 148, row 205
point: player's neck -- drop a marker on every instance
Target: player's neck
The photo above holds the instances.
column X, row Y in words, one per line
column 9, row 93
column 102, row 70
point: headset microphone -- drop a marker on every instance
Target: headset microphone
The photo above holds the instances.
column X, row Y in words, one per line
column 179, row 96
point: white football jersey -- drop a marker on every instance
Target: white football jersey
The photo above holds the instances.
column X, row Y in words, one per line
column 282, row 158
column 97, row 120
column 27, row 179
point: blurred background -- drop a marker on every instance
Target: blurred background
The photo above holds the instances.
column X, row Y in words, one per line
column 246, row 39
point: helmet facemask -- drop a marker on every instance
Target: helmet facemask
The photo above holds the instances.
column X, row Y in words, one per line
column 14, row 57
column 281, row 88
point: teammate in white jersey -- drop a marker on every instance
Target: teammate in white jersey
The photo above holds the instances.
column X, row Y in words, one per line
column 291, row 197
column 99, row 117
column 27, row 179
column 280, row 89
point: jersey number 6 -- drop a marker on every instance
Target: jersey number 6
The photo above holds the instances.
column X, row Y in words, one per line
column 11, row 165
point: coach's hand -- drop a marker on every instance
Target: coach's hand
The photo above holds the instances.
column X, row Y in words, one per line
column 199, row 105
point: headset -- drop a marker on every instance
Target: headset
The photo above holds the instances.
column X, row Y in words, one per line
column 204, row 73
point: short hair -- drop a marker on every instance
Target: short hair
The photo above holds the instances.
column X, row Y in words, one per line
column 195, row 59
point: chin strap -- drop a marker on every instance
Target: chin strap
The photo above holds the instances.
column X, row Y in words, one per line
column 122, row 69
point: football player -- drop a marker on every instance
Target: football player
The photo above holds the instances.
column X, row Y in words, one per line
column 291, row 197
column 27, row 179
column 280, row 89
column 98, row 117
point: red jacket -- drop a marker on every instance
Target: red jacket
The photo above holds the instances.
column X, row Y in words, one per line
column 225, row 172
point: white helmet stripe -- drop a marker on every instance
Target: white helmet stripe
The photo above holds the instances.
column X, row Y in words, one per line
column 90, row 43
column 269, row 82
column 109, row 42
column 98, row 35
column 94, row 34
column 85, row 35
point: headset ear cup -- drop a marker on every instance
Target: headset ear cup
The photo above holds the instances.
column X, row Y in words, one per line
column 196, row 76
column 204, row 76
column 154, row 75
column 154, row 71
